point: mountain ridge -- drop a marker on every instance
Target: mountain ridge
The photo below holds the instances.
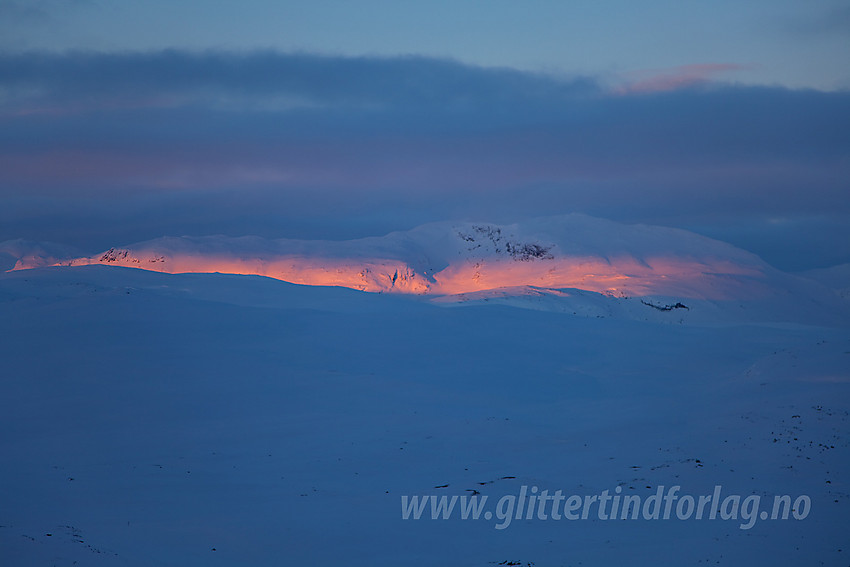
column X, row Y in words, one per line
column 567, row 263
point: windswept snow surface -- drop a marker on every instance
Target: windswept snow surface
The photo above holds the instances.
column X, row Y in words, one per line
column 836, row 278
column 153, row 419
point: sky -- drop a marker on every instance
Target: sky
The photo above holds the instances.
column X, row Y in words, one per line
column 124, row 121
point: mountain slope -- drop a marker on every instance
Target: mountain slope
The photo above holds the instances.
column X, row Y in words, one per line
column 572, row 251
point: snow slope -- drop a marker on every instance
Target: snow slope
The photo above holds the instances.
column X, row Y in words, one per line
column 149, row 419
column 837, row 278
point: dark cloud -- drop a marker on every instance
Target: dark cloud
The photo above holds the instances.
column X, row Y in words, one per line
column 833, row 20
column 175, row 78
column 22, row 11
column 131, row 146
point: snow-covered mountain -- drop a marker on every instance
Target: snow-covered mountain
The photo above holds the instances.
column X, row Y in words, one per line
column 571, row 263
column 21, row 253
column 572, row 251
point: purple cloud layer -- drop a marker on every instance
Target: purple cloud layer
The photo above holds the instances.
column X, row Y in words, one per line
column 142, row 144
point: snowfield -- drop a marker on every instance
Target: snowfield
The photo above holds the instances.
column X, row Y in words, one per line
column 176, row 419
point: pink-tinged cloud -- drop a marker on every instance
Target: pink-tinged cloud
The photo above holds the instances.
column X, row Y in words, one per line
column 676, row 78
